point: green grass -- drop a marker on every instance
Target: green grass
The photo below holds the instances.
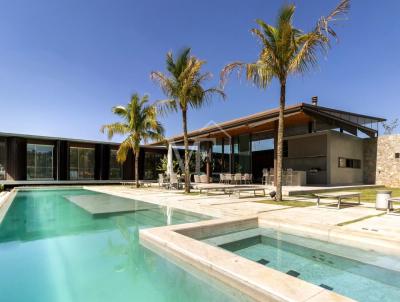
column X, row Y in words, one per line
column 369, row 195
column 289, row 203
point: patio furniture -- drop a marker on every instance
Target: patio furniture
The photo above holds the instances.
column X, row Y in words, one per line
column 228, row 178
column 289, row 177
column 264, row 178
column 204, row 179
column 237, row 178
column 222, row 178
column 127, row 183
column 247, row 178
column 216, row 187
column 196, row 178
column 238, row 190
column 271, row 176
column 161, row 180
column 382, row 199
column 339, row 196
column 173, row 181
column 390, row 203
column 146, row 183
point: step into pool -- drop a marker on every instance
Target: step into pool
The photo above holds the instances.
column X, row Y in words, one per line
column 52, row 250
column 361, row 275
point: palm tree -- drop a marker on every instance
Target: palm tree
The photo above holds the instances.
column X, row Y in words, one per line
column 183, row 85
column 285, row 50
column 139, row 124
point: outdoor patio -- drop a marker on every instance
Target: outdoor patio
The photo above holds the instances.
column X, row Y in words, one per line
column 364, row 218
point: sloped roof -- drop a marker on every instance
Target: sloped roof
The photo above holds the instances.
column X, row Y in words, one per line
column 299, row 113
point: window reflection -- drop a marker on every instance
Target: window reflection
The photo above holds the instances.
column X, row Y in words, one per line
column 39, row 161
column 81, row 163
column 115, row 167
column 2, row 160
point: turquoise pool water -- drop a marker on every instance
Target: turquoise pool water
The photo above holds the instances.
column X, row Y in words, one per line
column 53, row 251
column 361, row 275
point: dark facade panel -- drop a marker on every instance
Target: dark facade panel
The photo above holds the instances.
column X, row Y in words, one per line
column 16, row 158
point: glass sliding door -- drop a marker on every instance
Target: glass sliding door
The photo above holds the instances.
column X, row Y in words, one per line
column 217, row 156
column 81, row 163
column 2, row 160
column 242, row 154
column 115, row 166
column 39, row 160
column 262, row 147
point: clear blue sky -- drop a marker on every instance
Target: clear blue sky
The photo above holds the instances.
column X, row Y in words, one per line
column 64, row 64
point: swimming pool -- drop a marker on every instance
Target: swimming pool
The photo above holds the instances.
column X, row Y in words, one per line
column 52, row 250
column 361, row 275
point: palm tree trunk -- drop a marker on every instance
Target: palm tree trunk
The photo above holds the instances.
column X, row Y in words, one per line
column 186, row 143
column 137, row 168
column 281, row 128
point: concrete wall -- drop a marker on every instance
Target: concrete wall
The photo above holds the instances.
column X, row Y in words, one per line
column 387, row 165
column 307, row 152
column 346, row 146
column 369, row 161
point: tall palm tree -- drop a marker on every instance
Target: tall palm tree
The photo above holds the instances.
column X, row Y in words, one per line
column 139, row 124
column 285, row 50
column 183, row 86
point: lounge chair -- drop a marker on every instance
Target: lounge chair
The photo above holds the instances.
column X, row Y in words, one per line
column 339, row 196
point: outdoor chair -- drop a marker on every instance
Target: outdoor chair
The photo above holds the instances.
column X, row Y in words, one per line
column 237, row 178
column 173, row 181
column 228, row 178
column 222, row 178
column 247, row 178
column 271, row 176
column 196, row 178
column 161, row 180
column 265, row 174
column 204, row 178
column 289, row 177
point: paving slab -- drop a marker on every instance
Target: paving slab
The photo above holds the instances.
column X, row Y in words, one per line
column 106, row 204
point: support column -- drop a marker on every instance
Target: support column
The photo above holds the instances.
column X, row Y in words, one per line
column 169, row 160
column 275, row 150
column 198, row 145
column 208, row 163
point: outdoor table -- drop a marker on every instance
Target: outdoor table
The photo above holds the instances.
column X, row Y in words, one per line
column 339, row 196
column 382, row 199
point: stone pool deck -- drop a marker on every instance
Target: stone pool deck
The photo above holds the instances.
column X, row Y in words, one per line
column 363, row 222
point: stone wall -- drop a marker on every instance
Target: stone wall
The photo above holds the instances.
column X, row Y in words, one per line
column 369, row 160
column 387, row 165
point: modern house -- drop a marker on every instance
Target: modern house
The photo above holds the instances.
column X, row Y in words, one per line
column 324, row 146
column 29, row 159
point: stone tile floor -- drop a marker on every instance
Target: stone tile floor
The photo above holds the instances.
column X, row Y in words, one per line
column 362, row 217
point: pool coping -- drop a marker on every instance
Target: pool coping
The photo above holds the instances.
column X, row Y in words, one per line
column 336, row 234
column 260, row 283
column 5, row 203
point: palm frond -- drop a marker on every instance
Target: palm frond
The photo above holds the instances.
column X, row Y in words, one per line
column 323, row 23
column 115, row 128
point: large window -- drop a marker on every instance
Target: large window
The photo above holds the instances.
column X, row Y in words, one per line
column 39, row 160
column 242, row 154
column 81, row 163
column 115, row 166
column 152, row 163
column 2, row 160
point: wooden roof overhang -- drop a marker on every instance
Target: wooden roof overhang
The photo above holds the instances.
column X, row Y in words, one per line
column 295, row 115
